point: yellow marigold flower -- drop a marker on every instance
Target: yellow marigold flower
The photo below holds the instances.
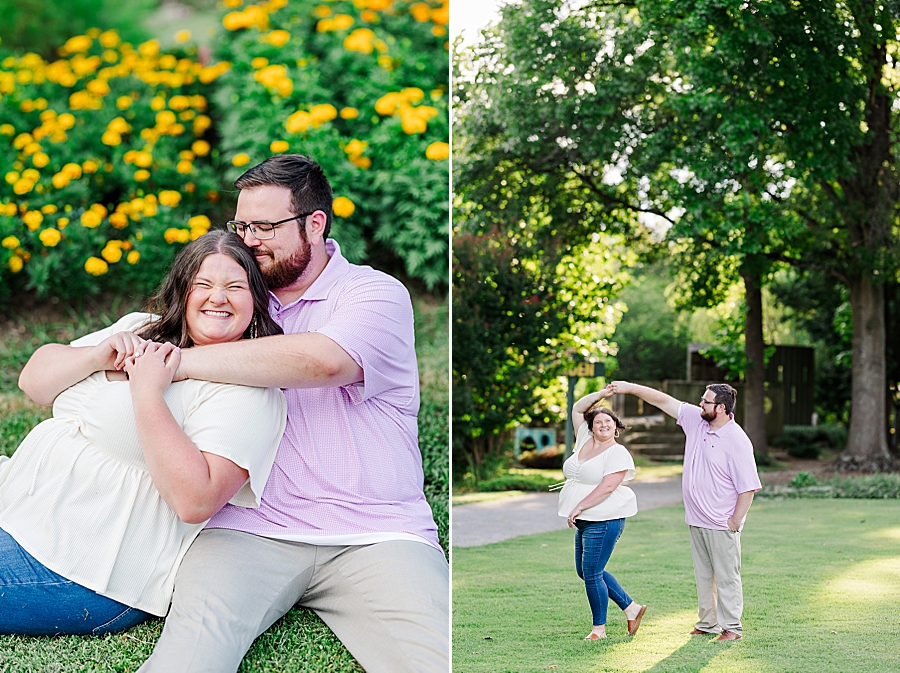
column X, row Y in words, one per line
column 241, row 159
column 119, row 220
column 96, row 266
column 33, row 219
column 349, row 113
column 12, row 177
column 111, row 138
column 141, row 175
column 15, row 264
column 356, row 147
column 421, row 12
column 23, row 186
column 183, row 35
column 324, row 25
column 66, row 121
column 112, row 252
column 50, row 237
column 279, row 146
column 438, row 151
column 438, row 31
column 343, row 207
column 40, row 159
column 7, row 129
column 169, row 197
column 199, row 222
column 368, row 16
column 60, row 180
column 176, row 236
column 201, row 123
column 75, row 45
column 184, row 166
column 49, row 209
column 231, row 4
column 322, row 113
column 143, row 159
column 278, row 38
column 123, row 102
column 187, row 155
column 149, row 49
column 109, row 39
column 118, row 125
column 165, row 118
column 91, row 219
column 386, row 62
column 22, row 140
column 31, row 174
column 342, row 21
column 235, row 21
column 100, row 209
column 322, row 11
column 11, row 242
column 62, row 223
column 133, row 257
column 360, row 40
column 150, row 209
column 361, row 162
column 179, row 102
column 441, row 15
column 200, row 148
column 89, row 166
column 298, row 122
column 260, row 62
column 98, row 87
column 187, row 115
column 157, row 103
column 387, row 104
column 412, row 94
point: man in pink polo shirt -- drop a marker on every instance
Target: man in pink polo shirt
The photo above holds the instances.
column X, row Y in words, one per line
column 718, row 484
column 344, row 527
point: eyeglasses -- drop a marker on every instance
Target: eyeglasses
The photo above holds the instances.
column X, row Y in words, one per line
column 262, row 230
column 703, row 401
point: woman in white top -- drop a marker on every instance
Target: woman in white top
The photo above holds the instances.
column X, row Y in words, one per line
column 99, row 503
column 595, row 504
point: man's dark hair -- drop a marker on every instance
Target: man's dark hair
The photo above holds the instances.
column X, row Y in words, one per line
column 310, row 190
column 591, row 414
column 725, row 394
column 170, row 302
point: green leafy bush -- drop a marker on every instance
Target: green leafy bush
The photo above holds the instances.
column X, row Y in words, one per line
column 804, row 485
column 434, row 443
column 808, row 441
column 362, row 88
column 517, row 482
column 549, row 458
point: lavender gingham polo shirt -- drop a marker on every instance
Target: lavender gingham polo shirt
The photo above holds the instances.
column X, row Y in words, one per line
column 348, row 470
column 718, row 466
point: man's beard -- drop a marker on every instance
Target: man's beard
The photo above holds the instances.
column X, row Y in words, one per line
column 285, row 273
column 708, row 417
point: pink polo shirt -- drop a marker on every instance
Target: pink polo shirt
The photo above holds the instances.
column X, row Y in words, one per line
column 718, row 466
column 348, row 470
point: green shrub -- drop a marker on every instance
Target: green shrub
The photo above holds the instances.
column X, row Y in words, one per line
column 548, row 458
column 516, row 482
column 362, row 87
column 434, row 443
column 804, row 485
column 808, row 441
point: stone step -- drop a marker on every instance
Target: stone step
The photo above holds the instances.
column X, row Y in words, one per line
column 672, row 438
column 657, row 450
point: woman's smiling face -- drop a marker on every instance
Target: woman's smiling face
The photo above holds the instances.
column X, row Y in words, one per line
column 604, row 426
column 220, row 305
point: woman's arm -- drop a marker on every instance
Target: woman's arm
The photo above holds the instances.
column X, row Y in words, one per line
column 55, row 367
column 194, row 483
column 585, row 403
column 609, row 484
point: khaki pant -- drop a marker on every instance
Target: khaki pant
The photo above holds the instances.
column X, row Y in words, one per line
column 387, row 602
column 717, row 567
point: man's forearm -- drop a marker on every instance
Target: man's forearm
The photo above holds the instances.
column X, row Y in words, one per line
column 309, row 360
column 657, row 398
column 743, row 505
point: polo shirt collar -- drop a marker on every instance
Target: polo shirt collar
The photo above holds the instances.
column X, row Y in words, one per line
column 335, row 270
column 723, row 429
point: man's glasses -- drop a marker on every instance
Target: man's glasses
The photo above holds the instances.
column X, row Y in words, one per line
column 703, row 401
column 262, row 230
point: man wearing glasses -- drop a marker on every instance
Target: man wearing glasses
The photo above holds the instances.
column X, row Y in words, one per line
column 718, row 484
column 344, row 527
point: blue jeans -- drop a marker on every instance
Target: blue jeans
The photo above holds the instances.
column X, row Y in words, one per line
column 35, row 601
column 594, row 544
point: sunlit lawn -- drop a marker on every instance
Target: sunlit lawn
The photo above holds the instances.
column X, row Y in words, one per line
column 821, row 586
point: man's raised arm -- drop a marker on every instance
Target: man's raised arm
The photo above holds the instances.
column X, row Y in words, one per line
column 308, row 360
column 657, row 398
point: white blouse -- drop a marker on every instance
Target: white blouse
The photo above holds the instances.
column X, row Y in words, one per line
column 582, row 478
column 77, row 494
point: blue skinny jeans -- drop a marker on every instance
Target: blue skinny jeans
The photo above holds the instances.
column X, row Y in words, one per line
column 594, row 544
column 35, row 601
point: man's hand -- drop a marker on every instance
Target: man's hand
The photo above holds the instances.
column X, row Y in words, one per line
column 733, row 524
column 112, row 352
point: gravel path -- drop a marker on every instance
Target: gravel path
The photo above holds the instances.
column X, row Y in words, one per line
column 481, row 523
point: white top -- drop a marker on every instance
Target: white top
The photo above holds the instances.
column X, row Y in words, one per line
column 77, row 494
column 582, row 478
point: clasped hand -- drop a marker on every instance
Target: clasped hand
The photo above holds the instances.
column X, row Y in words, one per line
column 152, row 367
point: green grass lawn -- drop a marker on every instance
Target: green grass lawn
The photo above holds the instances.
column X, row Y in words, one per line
column 298, row 642
column 821, row 585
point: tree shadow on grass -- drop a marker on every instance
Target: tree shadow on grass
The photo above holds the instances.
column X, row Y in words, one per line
column 694, row 655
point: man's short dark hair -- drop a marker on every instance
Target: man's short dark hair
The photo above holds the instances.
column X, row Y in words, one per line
column 310, row 190
column 725, row 394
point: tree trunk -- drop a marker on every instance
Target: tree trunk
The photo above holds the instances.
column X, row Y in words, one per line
column 867, row 448
column 755, row 373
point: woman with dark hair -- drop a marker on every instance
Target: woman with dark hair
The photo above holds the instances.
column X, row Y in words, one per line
column 99, row 504
column 595, row 504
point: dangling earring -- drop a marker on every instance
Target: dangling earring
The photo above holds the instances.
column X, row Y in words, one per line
column 253, row 327
column 617, row 433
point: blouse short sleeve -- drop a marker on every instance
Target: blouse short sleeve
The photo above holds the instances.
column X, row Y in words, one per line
column 619, row 460
column 242, row 424
column 127, row 323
